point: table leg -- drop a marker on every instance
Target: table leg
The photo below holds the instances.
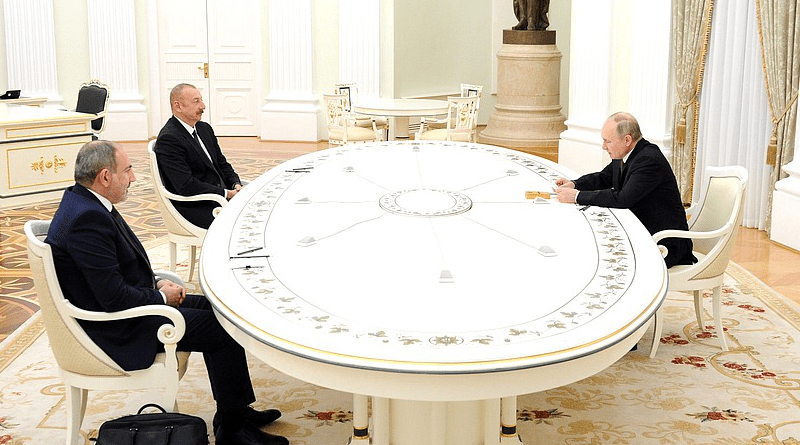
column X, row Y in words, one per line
column 401, row 127
column 508, row 421
column 360, row 420
column 438, row 426
column 491, row 428
column 406, row 422
column 380, row 421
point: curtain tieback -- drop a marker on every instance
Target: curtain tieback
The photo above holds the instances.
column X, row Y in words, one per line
column 772, row 148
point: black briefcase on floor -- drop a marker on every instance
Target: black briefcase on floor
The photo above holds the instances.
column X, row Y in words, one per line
column 154, row 429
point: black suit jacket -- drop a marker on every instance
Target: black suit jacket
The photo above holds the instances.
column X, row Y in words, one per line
column 649, row 190
column 187, row 171
column 101, row 269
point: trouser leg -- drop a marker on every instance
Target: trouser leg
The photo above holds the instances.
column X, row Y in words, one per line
column 225, row 359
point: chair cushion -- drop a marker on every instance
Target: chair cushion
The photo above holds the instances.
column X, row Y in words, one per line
column 440, row 134
column 366, row 121
column 682, row 267
column 353, row 134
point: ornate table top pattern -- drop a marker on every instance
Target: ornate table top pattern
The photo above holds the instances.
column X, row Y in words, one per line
column 305, row 244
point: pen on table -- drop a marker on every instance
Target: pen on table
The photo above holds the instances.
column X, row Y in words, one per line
column 249, row 251
column 584, row 207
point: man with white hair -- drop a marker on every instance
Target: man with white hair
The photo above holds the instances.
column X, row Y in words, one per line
column 638, row 178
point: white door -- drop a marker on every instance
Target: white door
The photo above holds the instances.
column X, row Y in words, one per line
column 183, row 44
column 213, row 45
column 233, row 30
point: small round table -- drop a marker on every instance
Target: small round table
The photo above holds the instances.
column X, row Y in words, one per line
column 400, row 110
column 419, row 276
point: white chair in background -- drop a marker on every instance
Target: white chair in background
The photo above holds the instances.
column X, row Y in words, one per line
column 460, row 121
column 82, row 363
column 341, row 123
column 381, row 122
column 468, row 90
column 713, row 224
column 179, row 229
column 472, row 90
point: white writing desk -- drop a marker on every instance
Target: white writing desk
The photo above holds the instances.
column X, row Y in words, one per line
column 419, row 275
column 38, row 147
column 32, row 101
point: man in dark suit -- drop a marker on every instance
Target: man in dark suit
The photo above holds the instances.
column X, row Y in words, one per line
column 638, row 178
column 189, row 157
column 102, row 266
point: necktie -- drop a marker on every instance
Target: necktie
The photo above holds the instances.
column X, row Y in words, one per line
column 616, row 174
column 213, row 164
column 128, row 234
column 196, row 138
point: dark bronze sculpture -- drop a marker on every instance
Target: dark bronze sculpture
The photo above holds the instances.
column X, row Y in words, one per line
column 532, row 14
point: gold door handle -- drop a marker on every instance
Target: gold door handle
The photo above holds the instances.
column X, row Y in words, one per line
column 205, row 69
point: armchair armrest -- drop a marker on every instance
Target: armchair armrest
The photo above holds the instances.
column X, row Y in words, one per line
column 428, row 120
column 167, row 334
column 99, row 114
column 219, row 199
column 168, row 275
column 658, row 236
column 350, row 119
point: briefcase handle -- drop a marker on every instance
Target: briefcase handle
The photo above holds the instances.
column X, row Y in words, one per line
column 151, row 405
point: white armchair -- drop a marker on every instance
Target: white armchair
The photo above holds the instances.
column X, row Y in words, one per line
column 342, row 128
column 713, row 224
column 179, row 229
column 460, row 121
column 82, row 363
column 364, row 121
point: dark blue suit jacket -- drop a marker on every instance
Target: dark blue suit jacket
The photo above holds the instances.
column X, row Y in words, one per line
column 101, row 269
column 187, row 171
column 649, row 190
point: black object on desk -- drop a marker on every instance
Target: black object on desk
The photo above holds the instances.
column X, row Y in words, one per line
column 11, row 94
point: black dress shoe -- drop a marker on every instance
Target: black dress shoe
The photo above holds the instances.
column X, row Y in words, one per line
column 254, row 417
column 247, row 435
column 260, row 418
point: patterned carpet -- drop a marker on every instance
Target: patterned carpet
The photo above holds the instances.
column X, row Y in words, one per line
column 691, row 393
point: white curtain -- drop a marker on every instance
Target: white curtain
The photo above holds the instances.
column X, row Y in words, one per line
column 690, row 27
column 735, row 123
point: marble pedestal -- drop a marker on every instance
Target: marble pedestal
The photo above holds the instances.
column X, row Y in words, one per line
column 527, row 114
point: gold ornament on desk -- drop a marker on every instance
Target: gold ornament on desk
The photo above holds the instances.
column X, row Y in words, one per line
column 41, row 165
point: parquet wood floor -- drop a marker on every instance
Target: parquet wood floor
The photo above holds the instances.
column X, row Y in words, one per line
column 775, row 265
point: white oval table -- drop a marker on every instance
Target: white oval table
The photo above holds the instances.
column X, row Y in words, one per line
column 418, row 276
